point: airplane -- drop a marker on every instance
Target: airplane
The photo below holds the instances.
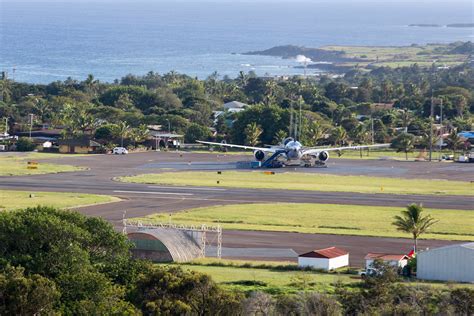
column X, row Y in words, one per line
column 292, row 152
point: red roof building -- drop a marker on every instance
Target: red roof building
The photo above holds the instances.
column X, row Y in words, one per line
column 396, row 260
column 331, row 252
column 325, row 259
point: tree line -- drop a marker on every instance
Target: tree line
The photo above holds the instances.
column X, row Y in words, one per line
column 358, row 108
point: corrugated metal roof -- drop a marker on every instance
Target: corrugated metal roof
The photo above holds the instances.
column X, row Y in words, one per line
column 385, row 256
column 328, row 253
column 469, row 245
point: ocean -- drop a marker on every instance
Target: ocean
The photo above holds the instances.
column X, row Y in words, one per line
column 42, row 42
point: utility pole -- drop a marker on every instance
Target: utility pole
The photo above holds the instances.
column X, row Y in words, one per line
column 6, row 126
column 372, row 129
column 30, row 116
column 442, row 128
column 431, row 125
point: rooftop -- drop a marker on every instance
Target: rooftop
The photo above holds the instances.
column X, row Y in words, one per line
column 327, row 253
column 385, row 256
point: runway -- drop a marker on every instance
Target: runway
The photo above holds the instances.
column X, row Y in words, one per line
column 141, row 199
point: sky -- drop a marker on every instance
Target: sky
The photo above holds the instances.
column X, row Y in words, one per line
column 380, row 2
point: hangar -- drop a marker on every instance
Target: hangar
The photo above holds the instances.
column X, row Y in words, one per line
column 450, row 263
column 164, row 245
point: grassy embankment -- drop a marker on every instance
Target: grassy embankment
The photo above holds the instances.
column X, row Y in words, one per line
column 12, row 200
column 307, row 181
column 16, row 164
column 392, row 56
column 279, row 277
column 321, row 219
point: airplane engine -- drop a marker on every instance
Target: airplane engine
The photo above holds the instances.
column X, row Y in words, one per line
column 323, row 156
column 259, row 155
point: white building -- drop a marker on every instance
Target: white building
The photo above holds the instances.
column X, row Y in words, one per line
column 235, row 106
column 395, row 260
column 326, row 259
column 450, row 263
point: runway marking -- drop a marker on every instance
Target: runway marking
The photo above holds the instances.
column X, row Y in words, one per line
column 187, row 188
column 148, row 192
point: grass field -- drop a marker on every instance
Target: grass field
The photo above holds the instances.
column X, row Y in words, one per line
column 273, row 281
column 16, row 165
column 261, row 276
column 393, row 56
column 321, row 219
column 307, row 181
column 11, row 200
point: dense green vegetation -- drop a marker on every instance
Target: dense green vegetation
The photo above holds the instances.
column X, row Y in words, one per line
column 334, row 110
column 60, row 262
column 321, row 218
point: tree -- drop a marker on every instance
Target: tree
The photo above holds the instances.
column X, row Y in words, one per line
column 25, row 144
column 412, row 221
column 339, row 135
column 174, row 291
column 88, row 261
column 252, row 134
column 22, row 294
column 454, row 142
column 139, row 134
column 280, row 136
column 121, row 131
column 316, row 132
column 196, row 132
column 404, row 142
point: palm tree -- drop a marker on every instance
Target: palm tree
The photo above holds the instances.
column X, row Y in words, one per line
column 252, row 133
column 122, row 130
column 404, row 142
column 405, row 119
column 139, row 134
column 316, row 132
column 280, row 136
column 411, row 221
column 339, row 135
column 454, row 141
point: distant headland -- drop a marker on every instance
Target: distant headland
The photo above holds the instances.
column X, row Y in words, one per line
column 340, row 59
column 460, row 25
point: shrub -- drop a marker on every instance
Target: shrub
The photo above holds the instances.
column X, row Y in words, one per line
column 25, row 144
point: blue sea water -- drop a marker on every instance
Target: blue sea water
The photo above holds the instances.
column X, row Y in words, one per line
column 47, row 41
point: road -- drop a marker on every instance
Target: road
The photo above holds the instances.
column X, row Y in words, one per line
column 141, row 199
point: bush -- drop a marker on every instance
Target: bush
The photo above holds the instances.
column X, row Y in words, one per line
column 25, row 144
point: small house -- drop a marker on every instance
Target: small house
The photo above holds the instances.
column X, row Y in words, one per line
column 395, row 260
column 325, row 259
column 78, row 146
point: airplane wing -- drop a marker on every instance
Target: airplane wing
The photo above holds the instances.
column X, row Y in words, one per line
column 308, row 151
column 270, row 150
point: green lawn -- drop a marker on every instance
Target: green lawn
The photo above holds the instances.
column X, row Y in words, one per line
column 11, row 200
column 16, row 164
column 321, row 219
column 248, row 276
column 273, row 281
column 307, row 181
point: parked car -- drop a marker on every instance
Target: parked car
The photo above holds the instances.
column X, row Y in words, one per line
column 369, row 272
column 120, row 151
